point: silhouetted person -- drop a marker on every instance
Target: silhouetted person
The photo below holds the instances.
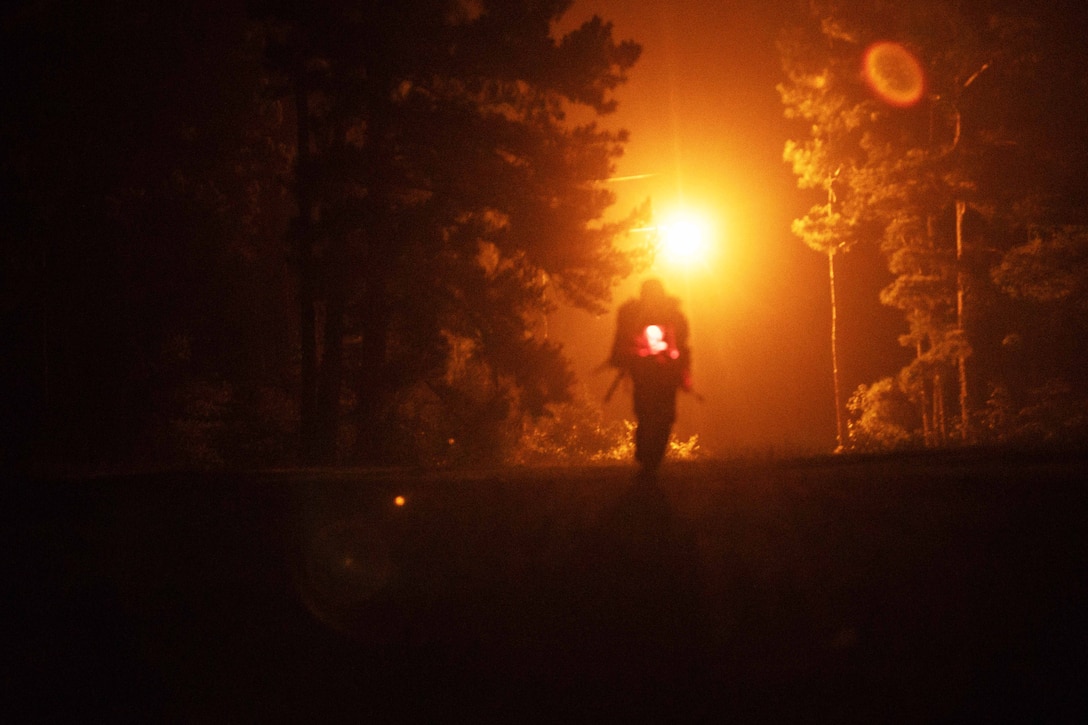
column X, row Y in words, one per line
column 651, row 346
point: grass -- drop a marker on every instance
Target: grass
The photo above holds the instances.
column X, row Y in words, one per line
column 924, row 587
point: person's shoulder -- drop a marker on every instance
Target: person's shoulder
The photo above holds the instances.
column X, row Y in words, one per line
column 676, row 311
column 673, row 304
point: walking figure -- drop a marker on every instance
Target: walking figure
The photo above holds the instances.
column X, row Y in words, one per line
column 651, row 346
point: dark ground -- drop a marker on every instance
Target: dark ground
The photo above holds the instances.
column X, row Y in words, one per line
column 927, row 588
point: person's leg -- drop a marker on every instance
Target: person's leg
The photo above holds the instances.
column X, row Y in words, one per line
column 655, row 408
column 640, row 442
column 658, row 442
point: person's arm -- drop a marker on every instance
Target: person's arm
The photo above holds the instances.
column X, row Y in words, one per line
column 685, row 352
column 621, row 343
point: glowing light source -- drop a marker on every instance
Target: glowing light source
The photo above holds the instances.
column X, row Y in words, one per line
column 399, row 500
column 894, row 74
column 684, row 238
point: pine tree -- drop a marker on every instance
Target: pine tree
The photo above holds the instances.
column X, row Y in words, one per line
column 819, row 91
column 440, row 189
column 914, row 175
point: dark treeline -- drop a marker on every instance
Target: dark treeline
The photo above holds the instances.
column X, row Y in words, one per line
column 975, row 193
column 273, row 232
column 144, row 178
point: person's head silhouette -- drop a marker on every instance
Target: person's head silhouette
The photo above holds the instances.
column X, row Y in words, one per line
column 652, row 292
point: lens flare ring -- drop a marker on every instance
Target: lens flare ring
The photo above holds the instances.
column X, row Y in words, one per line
column 893, row 74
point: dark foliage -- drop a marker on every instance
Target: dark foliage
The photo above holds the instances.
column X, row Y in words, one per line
column 161, row 306
column 976, row 197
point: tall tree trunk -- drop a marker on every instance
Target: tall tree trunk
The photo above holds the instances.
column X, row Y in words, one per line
column 965, row 413
column 927, row 418
column 329, row 380
column 372, row 384
column 835, row 352
column 307, row 278
column 940, row 422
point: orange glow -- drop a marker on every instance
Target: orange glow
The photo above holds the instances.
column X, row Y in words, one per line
column 712, row 142
column 894, row 74
column 399, row 500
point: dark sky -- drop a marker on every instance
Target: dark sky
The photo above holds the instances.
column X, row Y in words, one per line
column 705, row 118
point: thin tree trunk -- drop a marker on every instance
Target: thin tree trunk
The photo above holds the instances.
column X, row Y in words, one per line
column 939, row 420
column 307, row 278
column 370, row 446
column 835, row 352
column 927, row 419
column 965, row 414
column 329, row 380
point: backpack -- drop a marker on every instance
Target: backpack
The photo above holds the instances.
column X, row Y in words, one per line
column 644, row 334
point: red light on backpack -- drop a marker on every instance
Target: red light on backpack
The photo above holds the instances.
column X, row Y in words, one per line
column 654, row 338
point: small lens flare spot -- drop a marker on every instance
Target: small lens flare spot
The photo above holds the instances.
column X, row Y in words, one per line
column 399, row 500
column 894, row 74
